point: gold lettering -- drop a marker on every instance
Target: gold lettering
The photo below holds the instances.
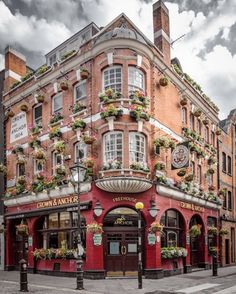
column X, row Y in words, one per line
column 191, row 207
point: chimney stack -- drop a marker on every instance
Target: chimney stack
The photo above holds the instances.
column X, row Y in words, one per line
column 161, row 27
column 15, row 67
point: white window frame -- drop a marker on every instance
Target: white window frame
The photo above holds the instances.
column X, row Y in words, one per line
column 132, row 86
column 34, row 122
column 54, row 161
column 112, row 85
column 176, row 238
column 83, row 147
column 131, row 150
column 18, row 170
column 36, row 170
column 107, row 137
column 53, row 103
column 184, row 115
column 83, row 97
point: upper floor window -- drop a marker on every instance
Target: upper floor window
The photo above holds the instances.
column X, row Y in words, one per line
column 210, row 179
column 37, row 115
column 57, row 103
column 20, row 169
column 223, row 162
column 199, row 174
column 191, row 121
column 137, row 148
column 81, row 151
column 56, row 160
column 206, row 134
column 199, row 127
column 80, row 92
column 212, row 138
column 184, row 115
column 38, row 166
column 112, row 78
column 113, row 146
column 229, row 165
column 136, row 79
column 192, row 167
column 229, row 200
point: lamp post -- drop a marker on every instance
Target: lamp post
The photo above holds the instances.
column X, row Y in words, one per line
column 76, row 179
column 139, row 206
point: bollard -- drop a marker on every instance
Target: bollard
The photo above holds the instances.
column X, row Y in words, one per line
column 23, row 276
column 214, row 265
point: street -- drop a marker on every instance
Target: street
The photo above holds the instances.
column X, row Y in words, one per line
column 196, row 282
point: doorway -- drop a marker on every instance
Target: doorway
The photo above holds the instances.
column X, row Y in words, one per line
column 197, row 243
column 227, row 260
column 121, row 242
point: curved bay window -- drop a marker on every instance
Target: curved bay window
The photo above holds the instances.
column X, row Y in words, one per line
column 137, row 148
column 60, row 229
column 173, row 228
column 113, row 147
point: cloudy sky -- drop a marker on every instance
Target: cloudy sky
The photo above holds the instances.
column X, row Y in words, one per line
column 207, row 52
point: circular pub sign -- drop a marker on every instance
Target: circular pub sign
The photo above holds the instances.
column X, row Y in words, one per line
column 180, row 157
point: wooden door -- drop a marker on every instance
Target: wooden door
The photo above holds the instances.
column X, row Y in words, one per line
column 121, row 252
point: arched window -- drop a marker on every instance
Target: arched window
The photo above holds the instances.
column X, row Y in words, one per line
column 113, row 147
column 136, row 79
column 173, row 227
column 184, row 115
column 191, row 121
column 112, row 78
column 137, row 148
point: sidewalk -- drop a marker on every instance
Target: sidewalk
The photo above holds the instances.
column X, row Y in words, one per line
column 9, row 283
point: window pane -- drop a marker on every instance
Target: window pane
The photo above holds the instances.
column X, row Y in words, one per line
column 80, row 91
column 136, row 79
column 53, row 220
column 137, row 148
column 80, row 151
column 113, row 147
column 57, row 103
column 38, row 115
column 112, row 78
column 21, row 169
column 64, row 219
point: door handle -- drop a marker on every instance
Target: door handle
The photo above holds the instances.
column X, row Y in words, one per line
column 123, row 250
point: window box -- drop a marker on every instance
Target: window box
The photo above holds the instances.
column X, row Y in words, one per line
column 78, row 108
column 56, row 119
column 55, row 133
column 59, row 147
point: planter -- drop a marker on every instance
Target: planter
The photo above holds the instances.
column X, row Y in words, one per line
column 24, row 108
column 22, row 229
column 206, row 122
column 197, row 113
column 64, row 86
column 163, row 81
column 88, row 140
column 184, row 102
column 84, row 74
column 10, row 113
column 40, row 98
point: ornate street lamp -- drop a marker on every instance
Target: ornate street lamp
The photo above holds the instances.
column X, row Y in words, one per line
column 139, row 206
column 77, row 176
column 97, row 209
column 153, row 210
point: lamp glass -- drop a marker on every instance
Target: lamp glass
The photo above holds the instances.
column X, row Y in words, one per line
column 74, row 175
column 139, row 205
column 98, row 209
column 153, row 211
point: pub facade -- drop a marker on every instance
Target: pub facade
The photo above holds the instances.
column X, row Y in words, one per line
column 143, row 133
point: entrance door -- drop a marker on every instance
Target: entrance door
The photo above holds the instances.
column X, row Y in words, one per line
column 121, row 252
column 227, row 251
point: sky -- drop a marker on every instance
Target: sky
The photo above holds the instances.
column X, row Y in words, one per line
column 207, row 51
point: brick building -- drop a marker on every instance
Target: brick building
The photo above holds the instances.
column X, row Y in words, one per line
column 227, row 149
column 114, row 99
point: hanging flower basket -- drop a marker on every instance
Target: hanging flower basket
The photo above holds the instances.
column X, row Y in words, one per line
column 64, row 85
column 84, row 73
column 10, row 113
column 94, row 228
column 40, row 98
column 24, row 108
column 189, row 178
column 218, row 132
column 59, row 146
column 164, row 81
column 184, row 101
column 156, row 227
column 197, row 113
column 22, row 229
column 212, row 230
column 60, row 170
column 2, row 229
column 182, row 172
column 3, row 168
column 40, row 154
column 21, row 180
column 223, row 232
column 206, row 121
column 195, row 230
column 211, row 171
column 89, row 139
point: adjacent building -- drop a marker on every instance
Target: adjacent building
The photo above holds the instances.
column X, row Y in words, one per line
column 145, row 132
